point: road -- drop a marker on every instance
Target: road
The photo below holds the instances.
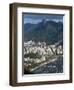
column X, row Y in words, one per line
column 54, row 58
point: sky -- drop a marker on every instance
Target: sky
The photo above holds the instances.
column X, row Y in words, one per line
column 34, row 18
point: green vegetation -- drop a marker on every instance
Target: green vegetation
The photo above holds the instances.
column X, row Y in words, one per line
column 50, row 32
column 32, row 55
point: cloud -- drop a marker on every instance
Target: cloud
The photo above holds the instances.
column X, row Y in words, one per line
column 29, row 20
column 33, row 18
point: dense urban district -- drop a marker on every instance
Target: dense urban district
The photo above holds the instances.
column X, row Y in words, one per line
column 42, row 58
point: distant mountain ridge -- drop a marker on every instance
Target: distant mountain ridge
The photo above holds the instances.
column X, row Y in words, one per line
column 48, row 31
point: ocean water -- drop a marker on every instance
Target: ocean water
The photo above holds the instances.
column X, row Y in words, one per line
column 53, row 67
